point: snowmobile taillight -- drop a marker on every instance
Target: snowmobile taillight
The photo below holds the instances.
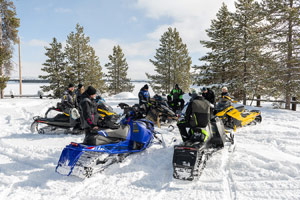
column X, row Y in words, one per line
column 74, row 144
column 187, row 148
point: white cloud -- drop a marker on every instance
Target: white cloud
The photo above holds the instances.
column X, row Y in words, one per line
column 37, row 43
column 104, row 47
column 62, row 10
column 191, row 18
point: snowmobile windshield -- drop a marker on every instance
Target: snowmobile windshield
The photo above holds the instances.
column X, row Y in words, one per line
column 223, row 104
column 104, row 106
column 182, row 114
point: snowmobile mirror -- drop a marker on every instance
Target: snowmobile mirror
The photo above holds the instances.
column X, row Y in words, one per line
column 123, row 105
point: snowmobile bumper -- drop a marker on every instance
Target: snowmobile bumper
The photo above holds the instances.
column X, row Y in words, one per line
column 68, row 160
column 184, row 160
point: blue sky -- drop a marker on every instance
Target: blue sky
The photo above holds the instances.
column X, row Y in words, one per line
column 135, row 25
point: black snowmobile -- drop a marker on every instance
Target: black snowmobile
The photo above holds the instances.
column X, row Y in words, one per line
column 159, row 111
column 189, row 158
column 64, row 123
column 60, row 123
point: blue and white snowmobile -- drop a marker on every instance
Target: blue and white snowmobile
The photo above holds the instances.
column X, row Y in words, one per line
column 133, row 136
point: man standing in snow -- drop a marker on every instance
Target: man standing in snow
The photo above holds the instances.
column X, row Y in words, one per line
column 209, row 95
column 177, row 95
column 79, row 91
column 144, row 97
column 89, row 115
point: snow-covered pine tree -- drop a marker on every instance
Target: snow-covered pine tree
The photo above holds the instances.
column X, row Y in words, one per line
column 117, row 72
column 172, row 64
column 55, row 66
column 250, row 58
column 8, row 36
column 83, row 65
column 283, row 16
column 217, row 69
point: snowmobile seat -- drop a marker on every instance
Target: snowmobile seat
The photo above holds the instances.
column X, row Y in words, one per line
column 61, row 118
column 107, row 136
column 240, row 108
column 120, row 133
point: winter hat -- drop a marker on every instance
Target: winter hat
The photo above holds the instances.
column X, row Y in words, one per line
column 91, row 90
column 225, row 88
column 204, row 89
column 146, row 86
column 71, row 85
column 80, row 86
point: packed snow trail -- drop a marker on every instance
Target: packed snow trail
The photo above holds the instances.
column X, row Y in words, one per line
column 264, row 165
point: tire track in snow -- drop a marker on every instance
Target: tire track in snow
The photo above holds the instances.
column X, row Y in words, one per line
column 228, row 182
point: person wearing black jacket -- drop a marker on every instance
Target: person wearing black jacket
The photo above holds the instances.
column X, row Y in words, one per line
column 175, row 97
column 224, row 92
column 209, row 95
column 89, row 116
column 68, row 100
column 79, row 91
column 196, row 115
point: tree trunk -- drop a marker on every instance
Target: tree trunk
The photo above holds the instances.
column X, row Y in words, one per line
column 258, row 102
column 289, row 60
column 1, row 64
column 294, row 105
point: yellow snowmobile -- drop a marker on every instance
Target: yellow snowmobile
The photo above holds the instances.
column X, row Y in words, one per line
column 236, row 117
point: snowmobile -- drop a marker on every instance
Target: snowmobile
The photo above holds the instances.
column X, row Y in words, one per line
column 159, row 111
column 70, row 124
column 61, row 122
column 236, row 117
column 133, row 136
column 189, row 158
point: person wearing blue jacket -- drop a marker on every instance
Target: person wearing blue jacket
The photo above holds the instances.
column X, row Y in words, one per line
column 144, row 97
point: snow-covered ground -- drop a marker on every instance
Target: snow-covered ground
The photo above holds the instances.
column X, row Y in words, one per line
column 264, row 165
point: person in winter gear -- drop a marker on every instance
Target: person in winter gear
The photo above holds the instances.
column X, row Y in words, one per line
column 79, row 91
column 68, row 100
column 209, row 95
column 144, row 97
column 197, row 115
column 224, row 92
column 89, row 116
column 177, row 95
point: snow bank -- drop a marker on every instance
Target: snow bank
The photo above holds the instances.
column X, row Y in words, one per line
column 123, row 95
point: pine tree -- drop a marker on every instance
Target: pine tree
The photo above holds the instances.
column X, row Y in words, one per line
column 218, row 65
column 93, row 74
column 8, row 35
column 83, row 65
column 250, row 60
column 283, row 16
column 117, row 72
column 172, row 64
column 55, row 66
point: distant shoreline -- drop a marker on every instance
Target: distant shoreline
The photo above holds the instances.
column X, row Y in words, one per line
column 47, row 81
